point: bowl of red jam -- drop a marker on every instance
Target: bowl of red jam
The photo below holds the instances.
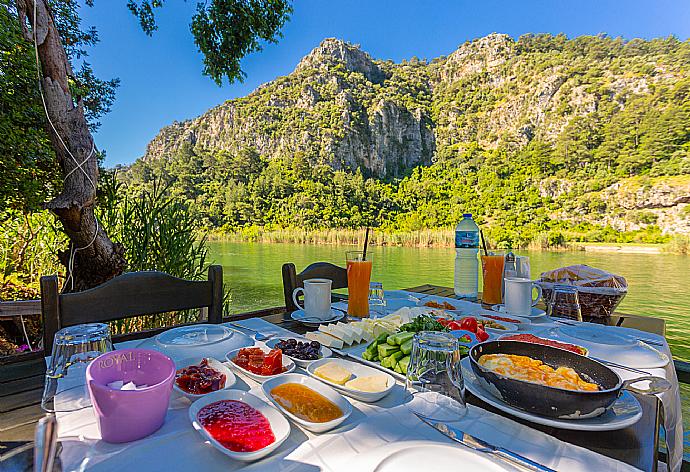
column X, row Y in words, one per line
column 239, row 424
column 259, row 363
column 198, row 376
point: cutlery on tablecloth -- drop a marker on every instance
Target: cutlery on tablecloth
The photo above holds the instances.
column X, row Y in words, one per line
column 482, row 446
column 259, row 336
column 45, row 442
column 619, row 366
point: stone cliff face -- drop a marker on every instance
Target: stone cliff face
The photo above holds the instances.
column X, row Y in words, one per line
column 343, row 108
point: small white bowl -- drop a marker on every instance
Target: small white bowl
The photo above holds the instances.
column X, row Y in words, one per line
column 357, row 370
column 230, row 378
column 287, row 363
column 279, row 425
column 318, row 387
column 325, row 352
column 523, row 323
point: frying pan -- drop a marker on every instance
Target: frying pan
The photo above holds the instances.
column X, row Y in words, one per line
column 552, row 401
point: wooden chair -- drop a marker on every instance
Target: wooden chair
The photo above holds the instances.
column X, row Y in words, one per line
column 317, row 270
column 128, row 295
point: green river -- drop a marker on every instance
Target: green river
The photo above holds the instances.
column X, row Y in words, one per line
column 657, row 283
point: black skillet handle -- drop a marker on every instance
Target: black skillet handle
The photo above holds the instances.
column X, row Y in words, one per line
column 656, row 385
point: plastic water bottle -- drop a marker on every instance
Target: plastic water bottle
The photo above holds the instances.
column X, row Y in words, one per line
column 466, row 261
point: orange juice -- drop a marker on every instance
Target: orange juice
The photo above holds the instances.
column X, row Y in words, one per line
column 358, row 278
column 492, row 270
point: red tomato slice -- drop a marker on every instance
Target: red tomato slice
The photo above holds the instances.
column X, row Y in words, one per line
column 273, row 364
column 454, row 325
column 469, row 323
column 481, row 335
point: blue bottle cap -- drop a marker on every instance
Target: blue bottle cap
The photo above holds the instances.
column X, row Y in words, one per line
column 467, row 215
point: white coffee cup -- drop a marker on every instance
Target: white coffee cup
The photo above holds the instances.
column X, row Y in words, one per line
column 317, row 298
column 518, row 295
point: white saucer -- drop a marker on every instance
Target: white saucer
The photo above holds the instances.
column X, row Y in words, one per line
column 300, row 315
column 194, row 335
column 625, row 411
column 536, row 312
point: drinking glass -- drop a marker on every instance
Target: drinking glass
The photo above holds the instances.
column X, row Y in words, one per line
column 434, row 385
column 492, row 272
column 358, row 278
column 377, row 303
column 73, row 349
column 565, row 303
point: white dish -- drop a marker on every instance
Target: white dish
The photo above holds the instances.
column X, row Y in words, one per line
column 536, row 312
column 324, row 351
column 595, row 334
column 586, row 354
column 287, row 363
column 413, row 456
column 613, row 344
column 301, row 317
column 318, row 387
column 509, row 327
column 215, row 364
column 357, row 370
column 625, row 411
column 463, row 306
column 522, row 322
column 279, row 425
column 194, row 335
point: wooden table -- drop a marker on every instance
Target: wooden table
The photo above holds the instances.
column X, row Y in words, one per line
column 636, row 445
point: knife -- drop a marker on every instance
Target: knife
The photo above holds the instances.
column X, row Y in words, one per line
column 482, row 446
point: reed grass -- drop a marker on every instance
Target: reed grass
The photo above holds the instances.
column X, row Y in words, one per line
column 442, row 237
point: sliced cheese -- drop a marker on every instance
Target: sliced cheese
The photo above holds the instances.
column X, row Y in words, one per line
column 333, row 372
column 352, row 331
column 372, row 383
column 334, row 330
column 325, row 339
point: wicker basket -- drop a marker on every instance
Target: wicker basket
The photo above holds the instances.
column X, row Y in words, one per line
column 598, row 291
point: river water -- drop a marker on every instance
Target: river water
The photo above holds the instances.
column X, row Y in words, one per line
column 657, row 283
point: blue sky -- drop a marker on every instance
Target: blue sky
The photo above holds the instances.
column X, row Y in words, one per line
column 161, row 79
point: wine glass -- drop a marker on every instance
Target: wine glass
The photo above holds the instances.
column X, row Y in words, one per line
column 565, row 303
column 434, row 385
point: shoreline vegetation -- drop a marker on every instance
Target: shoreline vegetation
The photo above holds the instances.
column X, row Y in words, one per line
column 441, row 237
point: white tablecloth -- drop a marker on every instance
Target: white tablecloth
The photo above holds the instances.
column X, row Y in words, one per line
column 387, row 423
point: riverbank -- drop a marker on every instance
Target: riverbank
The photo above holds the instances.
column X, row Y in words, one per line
column 442, row 237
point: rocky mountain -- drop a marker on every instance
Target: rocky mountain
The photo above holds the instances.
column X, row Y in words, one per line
column 586, row 113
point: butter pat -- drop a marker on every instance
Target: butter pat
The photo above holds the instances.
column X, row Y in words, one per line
column 372, row 383
column 325, row 339
column 333, row 373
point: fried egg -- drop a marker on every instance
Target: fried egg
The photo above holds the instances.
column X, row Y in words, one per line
column 535, row 371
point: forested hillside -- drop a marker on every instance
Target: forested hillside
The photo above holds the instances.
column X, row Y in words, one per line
column 541, row 137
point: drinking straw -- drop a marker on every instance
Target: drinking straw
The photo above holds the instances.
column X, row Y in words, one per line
column 481, row 235
column 366, row 243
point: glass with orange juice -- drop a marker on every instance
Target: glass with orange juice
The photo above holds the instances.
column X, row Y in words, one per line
column 358, row 278
column 492, row 271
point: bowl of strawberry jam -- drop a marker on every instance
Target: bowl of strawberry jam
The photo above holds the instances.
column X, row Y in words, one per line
column 198, row 376
column 239, row 424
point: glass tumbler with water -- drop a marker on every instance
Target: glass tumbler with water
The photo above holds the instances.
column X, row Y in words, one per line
column 74, row 348
column 565, row 303
column 377, row 302
column 434, row 383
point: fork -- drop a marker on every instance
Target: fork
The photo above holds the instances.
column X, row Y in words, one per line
column 259, row 336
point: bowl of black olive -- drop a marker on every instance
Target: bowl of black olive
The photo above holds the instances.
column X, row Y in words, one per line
column 302, row 351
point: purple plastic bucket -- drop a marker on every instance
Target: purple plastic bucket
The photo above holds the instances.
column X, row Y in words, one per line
column 128, row 415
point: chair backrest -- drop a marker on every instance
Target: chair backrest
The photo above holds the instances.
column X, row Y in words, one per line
column 128, row 295
column 317, row 270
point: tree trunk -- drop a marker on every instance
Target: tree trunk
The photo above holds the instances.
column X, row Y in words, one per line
column 96, row 259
